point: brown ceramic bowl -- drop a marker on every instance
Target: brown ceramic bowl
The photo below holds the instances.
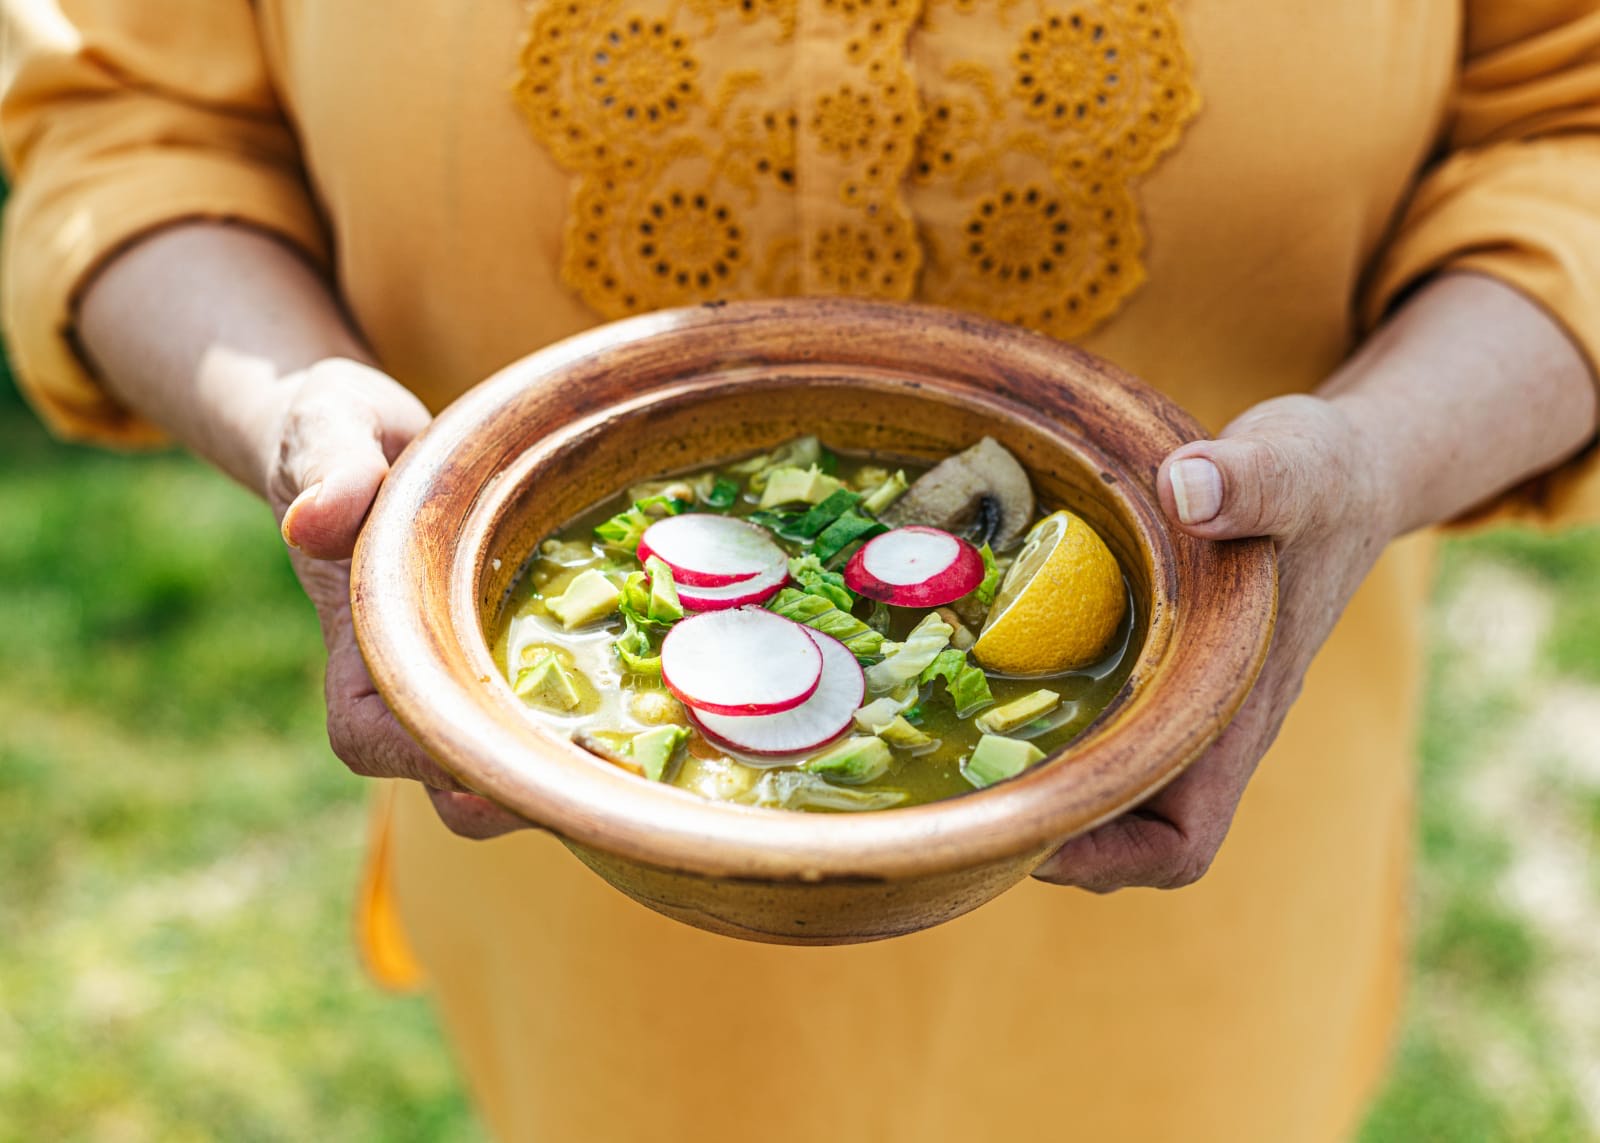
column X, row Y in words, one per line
column 555, row 433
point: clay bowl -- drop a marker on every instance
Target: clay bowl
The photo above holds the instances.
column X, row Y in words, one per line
column 557, row 432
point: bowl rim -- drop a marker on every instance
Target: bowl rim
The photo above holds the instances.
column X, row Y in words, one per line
column 421, row 634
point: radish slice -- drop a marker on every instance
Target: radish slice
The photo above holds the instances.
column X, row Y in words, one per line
column 915, row 567
column 751, row 591
column 740, row 662
column 711, row 551
column 826, row 715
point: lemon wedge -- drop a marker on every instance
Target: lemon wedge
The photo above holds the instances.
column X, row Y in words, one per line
column 1058, row 606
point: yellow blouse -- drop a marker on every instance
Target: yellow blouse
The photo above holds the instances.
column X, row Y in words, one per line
column 1219, row 196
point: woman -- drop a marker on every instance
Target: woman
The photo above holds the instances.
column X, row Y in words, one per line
column 1361, row 241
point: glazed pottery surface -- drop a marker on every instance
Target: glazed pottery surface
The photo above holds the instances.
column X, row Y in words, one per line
column 557, row 432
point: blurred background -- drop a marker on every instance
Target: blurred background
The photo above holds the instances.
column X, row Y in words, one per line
column 179, row 850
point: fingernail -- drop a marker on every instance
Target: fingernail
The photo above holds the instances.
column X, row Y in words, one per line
column 1197, row 490
column 306, row 496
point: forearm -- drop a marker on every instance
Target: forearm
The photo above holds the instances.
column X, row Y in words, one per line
column 1468, row 390
column 198, row 327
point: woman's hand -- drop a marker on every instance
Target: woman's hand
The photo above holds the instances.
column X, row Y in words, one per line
column 237, row 347
column 341, row 426
column 1466, row 391
column 1296, row 469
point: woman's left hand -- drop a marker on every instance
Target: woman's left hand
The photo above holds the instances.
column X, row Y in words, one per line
column 1296, row 469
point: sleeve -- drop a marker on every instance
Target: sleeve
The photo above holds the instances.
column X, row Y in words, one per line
column 118, row 117
column 1515, row 195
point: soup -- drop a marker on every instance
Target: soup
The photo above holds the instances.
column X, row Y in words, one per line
column 813, row 631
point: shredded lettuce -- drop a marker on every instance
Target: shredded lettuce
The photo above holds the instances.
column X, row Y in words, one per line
column 819, row 516
column 782, row 523
column 906, row 661
column 991, row 577
column 806, row 525
column 819, row 612
column 802, row 452
column 815, row 579
column 634, row 647
column 636, row 599
column 724, row 493
column 885, row 494
column 640, row 609
column 967, row 684
column 846, row 530
column 624, row 529
column 659, row 506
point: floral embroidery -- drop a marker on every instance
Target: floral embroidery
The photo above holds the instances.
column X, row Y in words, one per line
column 983, row 155
column 684, row 163
column 1051, row 261
column 877, row 260
column 1024, row 186
column 845, row 121
column 1113, row 84
column 857, row 141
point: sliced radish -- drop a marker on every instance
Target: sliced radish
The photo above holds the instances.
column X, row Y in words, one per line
column 740, row 662
column 814, row 723
column 915, row 567
column 711, row 551
column 751, row 591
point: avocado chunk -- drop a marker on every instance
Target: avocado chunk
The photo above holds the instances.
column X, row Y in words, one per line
column 885, row 494
column 653, row 750
column 664, row 604
column 589, row 597
column 1019, row 712
column 798, row 486
column 549, row 683
column 995, row 759
column 901, row 733
column 853, row 761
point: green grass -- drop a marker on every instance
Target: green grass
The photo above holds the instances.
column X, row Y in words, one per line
column 179, row 850
column 1486, row 1049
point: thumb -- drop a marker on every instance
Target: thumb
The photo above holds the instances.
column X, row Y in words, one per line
column 345, row 424
column 1273, row 472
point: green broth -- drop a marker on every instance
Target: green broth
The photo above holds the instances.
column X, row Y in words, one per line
column 617, row 699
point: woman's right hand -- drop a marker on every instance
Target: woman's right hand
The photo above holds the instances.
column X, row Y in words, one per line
column 230, row 341
column 343, row 424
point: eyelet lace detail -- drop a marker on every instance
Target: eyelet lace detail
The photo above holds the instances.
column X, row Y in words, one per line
column 1042, row 119
column 983, row 155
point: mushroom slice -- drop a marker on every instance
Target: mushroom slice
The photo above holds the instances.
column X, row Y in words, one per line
column 982, row 494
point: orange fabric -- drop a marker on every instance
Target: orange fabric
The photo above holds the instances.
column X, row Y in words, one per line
column 1219, row 197
column 379, row 932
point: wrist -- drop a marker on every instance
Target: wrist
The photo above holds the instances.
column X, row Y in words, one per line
column 1467, row 390
column 1380, row 468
